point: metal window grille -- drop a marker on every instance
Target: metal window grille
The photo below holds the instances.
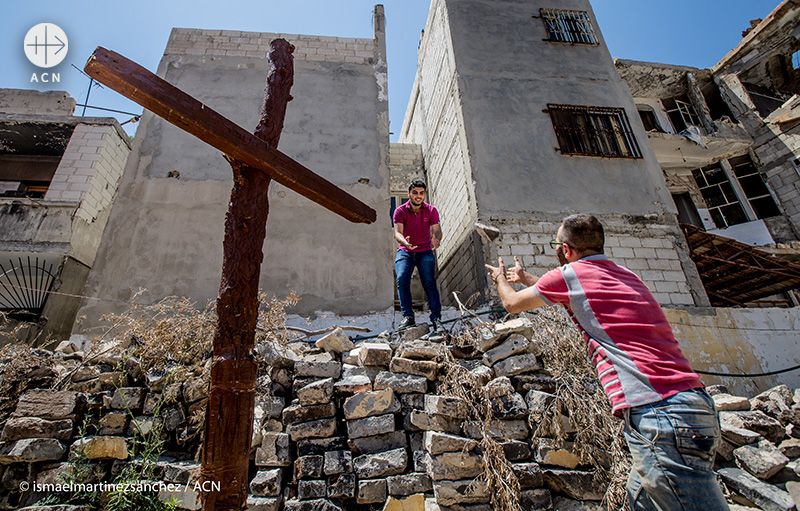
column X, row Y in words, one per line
column 593, row 131
column 25, row 283
column 568, row 26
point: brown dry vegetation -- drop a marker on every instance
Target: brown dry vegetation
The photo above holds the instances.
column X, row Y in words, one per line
column 174, row 336
column 171, row 336
column 598, row 439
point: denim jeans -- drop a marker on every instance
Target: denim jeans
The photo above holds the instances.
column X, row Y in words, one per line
column 673, row 443
column 425, row 262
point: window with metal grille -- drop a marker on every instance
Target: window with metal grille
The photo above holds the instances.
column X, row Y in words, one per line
column 572, row 27
column 25, row 281
column 593, row 131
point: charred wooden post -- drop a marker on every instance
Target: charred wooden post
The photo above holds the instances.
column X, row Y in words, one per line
column 229, row 416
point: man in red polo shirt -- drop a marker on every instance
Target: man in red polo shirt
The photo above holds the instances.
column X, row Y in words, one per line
column 417, row 231
column 671, row 425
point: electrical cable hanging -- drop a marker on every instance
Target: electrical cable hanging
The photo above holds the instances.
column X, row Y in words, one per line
column 745, row 375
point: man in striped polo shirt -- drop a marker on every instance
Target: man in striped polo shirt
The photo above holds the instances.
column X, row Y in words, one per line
column 671, row 425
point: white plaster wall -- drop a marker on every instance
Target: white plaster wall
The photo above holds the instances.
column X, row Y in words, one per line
column 509, row 74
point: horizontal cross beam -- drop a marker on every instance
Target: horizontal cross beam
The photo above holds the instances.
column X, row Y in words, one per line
column 175, row 106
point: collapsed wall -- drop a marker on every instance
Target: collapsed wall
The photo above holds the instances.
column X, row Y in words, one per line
column 403, row 421
column 342, row 427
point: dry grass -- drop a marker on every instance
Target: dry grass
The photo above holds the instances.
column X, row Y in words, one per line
column 459, row 382
column 596, row 434
column 17, row 362
column 175, row 336
column 598, row 439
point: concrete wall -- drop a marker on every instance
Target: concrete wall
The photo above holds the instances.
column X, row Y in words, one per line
column 741, row 341
column 478, row 108
column 89, row 173
column 434, row 119
column 24, row 101
column 405, row 164
column 165, row 233
column 776, row 149
column 66, row 226
column 653, row 248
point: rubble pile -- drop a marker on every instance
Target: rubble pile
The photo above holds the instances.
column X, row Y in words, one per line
column 759, row 458
column 369, row 425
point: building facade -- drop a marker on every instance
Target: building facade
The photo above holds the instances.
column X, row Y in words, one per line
column 165, row 231
column 523, row 119
column 728, row 141
column 59, row 176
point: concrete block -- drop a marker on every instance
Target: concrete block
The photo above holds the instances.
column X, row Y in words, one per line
column 368, row 404
column 382, row 464
column 369, row 426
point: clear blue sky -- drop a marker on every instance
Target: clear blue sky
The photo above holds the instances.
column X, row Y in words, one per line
column 693, row 33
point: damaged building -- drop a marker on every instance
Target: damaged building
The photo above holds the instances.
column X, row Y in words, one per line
column 727, row 141
column 59, row 175
column 687, row 168
column 694, row 172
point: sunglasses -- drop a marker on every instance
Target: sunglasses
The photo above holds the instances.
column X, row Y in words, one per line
column 555, row 244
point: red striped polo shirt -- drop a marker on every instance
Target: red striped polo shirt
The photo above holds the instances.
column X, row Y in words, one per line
column 628, row 337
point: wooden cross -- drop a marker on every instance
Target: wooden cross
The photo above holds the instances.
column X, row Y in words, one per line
column 254, row 160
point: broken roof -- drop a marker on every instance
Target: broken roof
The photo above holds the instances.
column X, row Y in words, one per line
column 734, row 273
column 779, row 24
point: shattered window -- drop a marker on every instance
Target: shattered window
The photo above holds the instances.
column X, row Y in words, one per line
column 29, row 156
column 593, row 131
column 681, row 113
column 766, row 100
column 752, row 182
column 721, row 201
column 649, row 120
column 568, row 26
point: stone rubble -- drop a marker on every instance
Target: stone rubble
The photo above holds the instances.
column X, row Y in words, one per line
column 360, row 426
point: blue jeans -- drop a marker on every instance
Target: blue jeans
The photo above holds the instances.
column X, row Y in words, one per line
column 404, row 263
column 673, row 443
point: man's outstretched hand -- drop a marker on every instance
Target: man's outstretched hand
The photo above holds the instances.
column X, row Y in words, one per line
column 497, row 271
column 515, row 274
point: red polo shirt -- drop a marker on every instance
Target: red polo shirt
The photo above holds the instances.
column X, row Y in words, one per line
column 418, row 226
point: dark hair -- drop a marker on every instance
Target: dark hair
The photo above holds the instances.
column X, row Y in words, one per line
column 417, row 183
column 583, row 232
